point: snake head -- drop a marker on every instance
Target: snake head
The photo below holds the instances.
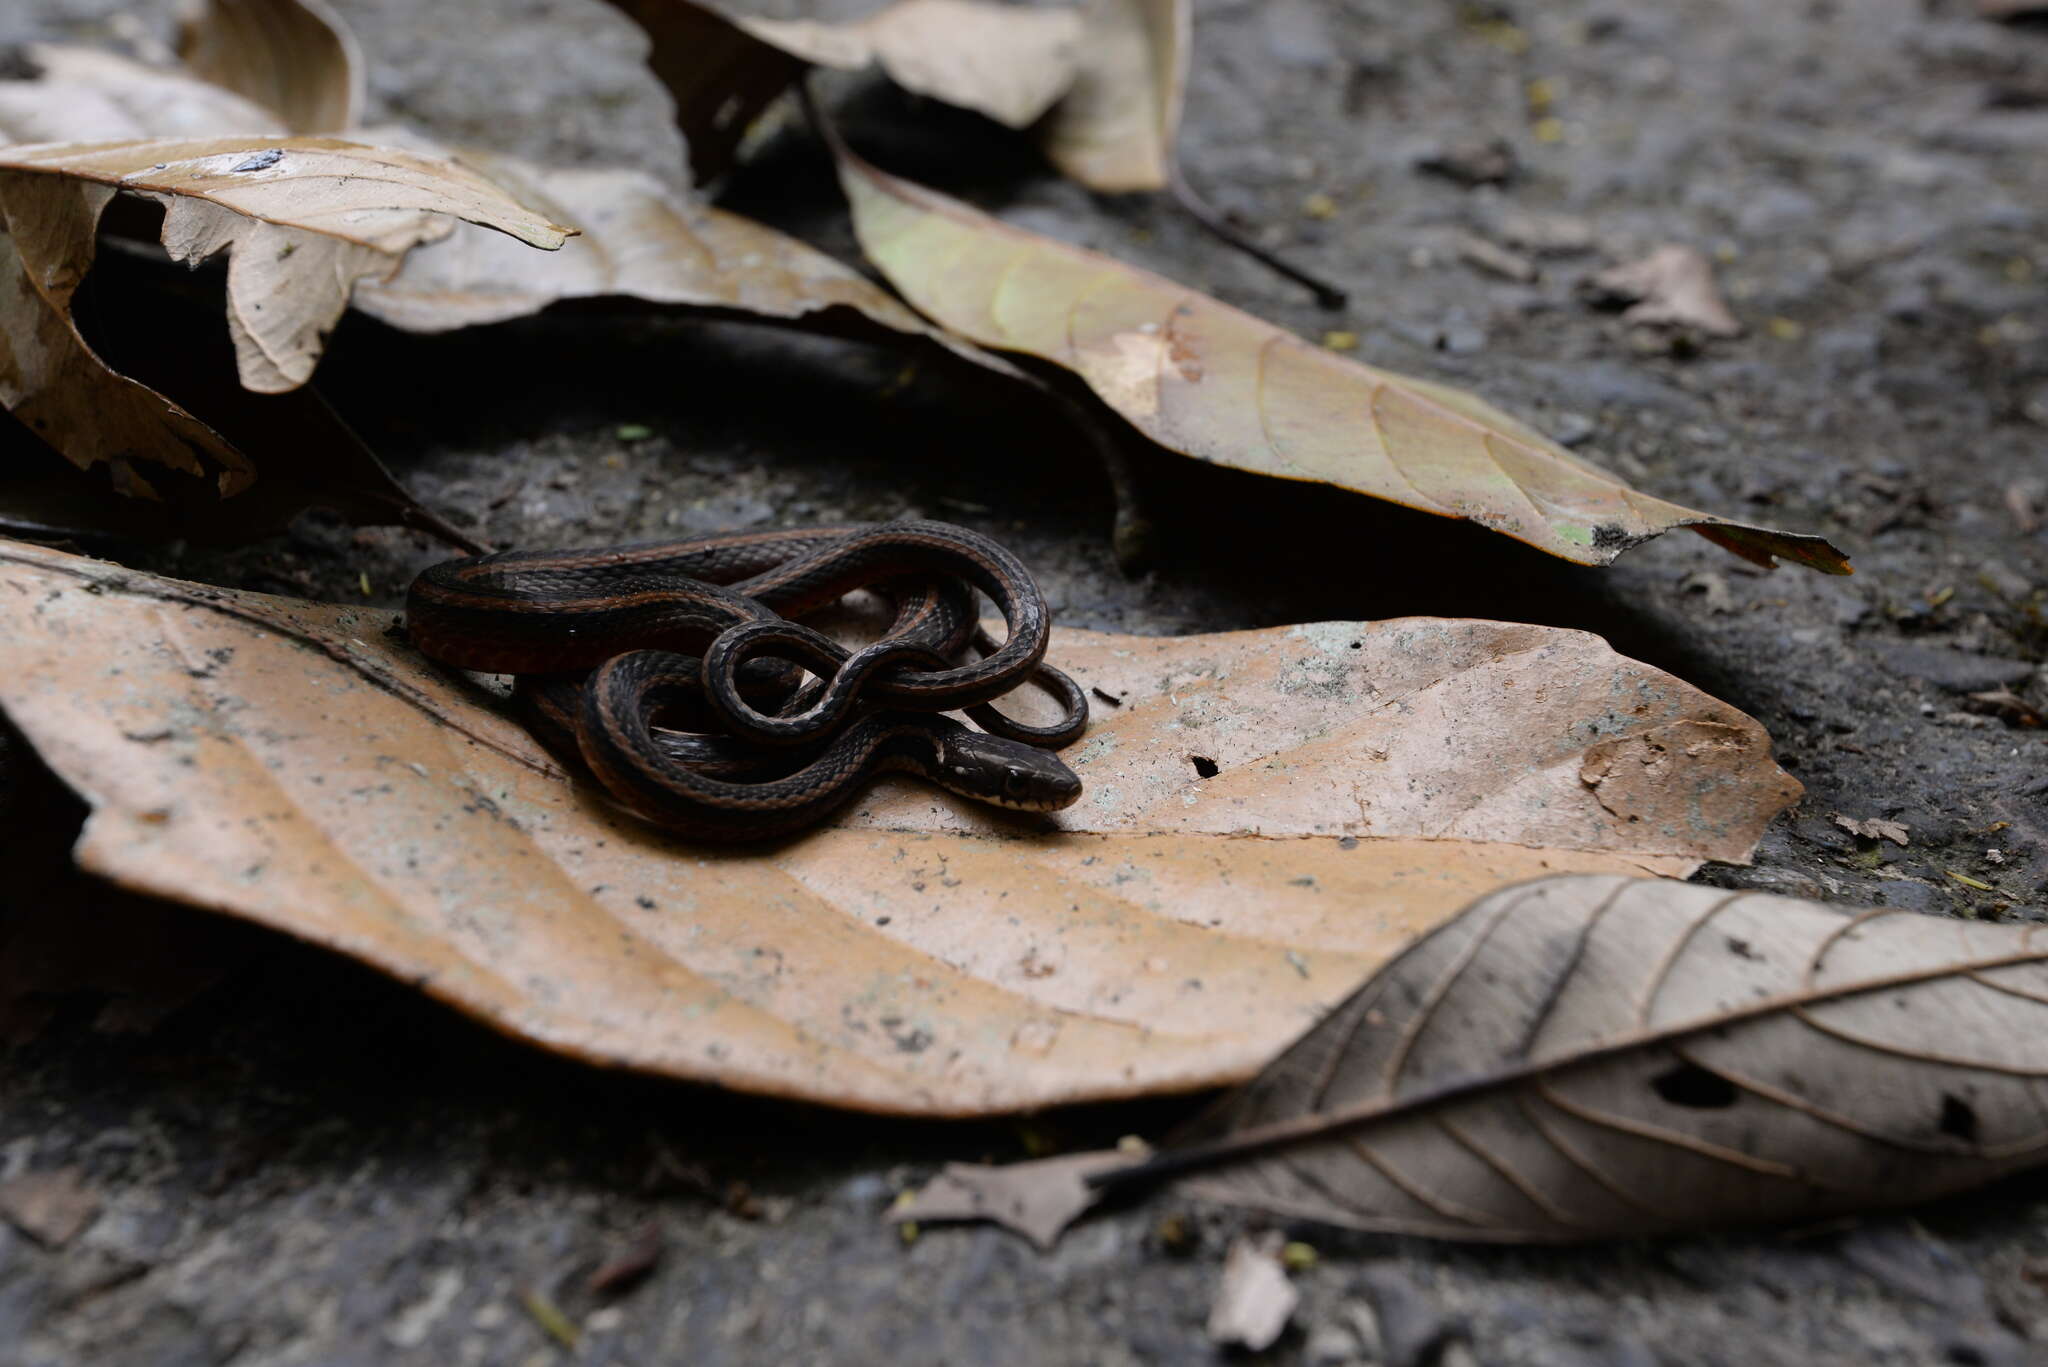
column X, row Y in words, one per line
column 1006, row 773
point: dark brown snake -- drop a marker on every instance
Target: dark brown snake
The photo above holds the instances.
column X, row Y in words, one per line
column 609, row 642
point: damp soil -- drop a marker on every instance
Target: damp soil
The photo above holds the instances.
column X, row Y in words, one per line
column 307, row 1163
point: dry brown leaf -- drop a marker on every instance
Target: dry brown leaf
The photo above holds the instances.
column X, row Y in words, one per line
column 720, row 76
column 167, row 335
column 51, row 381
column 1006, row 61
column 83, row 95
column 1209, row 381
column 1589, row 1057
column 296, row 765
column 1115, row 131
column 1874, row 828
column 303, row 217
column 1255, row 1299
column 639, row 239
column 1671, row 287
column 1037, row 1199
column 295, row 57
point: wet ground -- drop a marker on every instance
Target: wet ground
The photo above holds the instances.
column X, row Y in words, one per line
column 307, row 1164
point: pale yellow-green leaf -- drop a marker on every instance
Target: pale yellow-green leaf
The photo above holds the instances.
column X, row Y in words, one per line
column 1213, row 382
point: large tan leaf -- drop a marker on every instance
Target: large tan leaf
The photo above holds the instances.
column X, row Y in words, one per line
column 83, row 95
column 1210, row 381
column 295, row 57
column 295, row 764
column 1115, row 130
column 1591, row 1056
column 303, row 217
column 1009, row 62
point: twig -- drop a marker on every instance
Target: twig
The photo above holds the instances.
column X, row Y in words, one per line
column 1327, row 295
column 425, row 519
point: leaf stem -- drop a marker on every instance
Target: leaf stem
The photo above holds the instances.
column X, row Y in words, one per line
column 1327, row 295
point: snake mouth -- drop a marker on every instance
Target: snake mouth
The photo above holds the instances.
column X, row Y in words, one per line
column 1051, row 802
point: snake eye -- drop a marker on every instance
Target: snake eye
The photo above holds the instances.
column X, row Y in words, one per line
column 1016, row 782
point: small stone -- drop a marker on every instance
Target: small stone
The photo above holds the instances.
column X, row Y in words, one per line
column 1488, row 162
column 1572, row 429
column 1365, row 1326
column 1412, row 1330
column 1462, row 339
column 1712, row 590
column 2003, row 580
column 51, row 1207
column 1545, row 234
column 1495, row 260
column 1330, row 1345
column 1910, row 894
column 2035, row 406
column 1297, row 34
column 1954, row 671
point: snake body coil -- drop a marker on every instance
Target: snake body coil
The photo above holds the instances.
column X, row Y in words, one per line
column 609, row 641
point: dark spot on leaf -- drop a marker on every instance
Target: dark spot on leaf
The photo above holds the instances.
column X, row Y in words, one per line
column 1958, row 1118
column 1358, row 645
column 1740, row 948
column 262, row 161
column 1694, row 1087
column 1204, row 766
column 1612, row 536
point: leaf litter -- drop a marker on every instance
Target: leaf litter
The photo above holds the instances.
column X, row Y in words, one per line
column 1676, row 782
column 1671, row 287
column 1587, row 1057
column 648, row 244
column 1254, row 1299
column 302, row 218
column 923, row 955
